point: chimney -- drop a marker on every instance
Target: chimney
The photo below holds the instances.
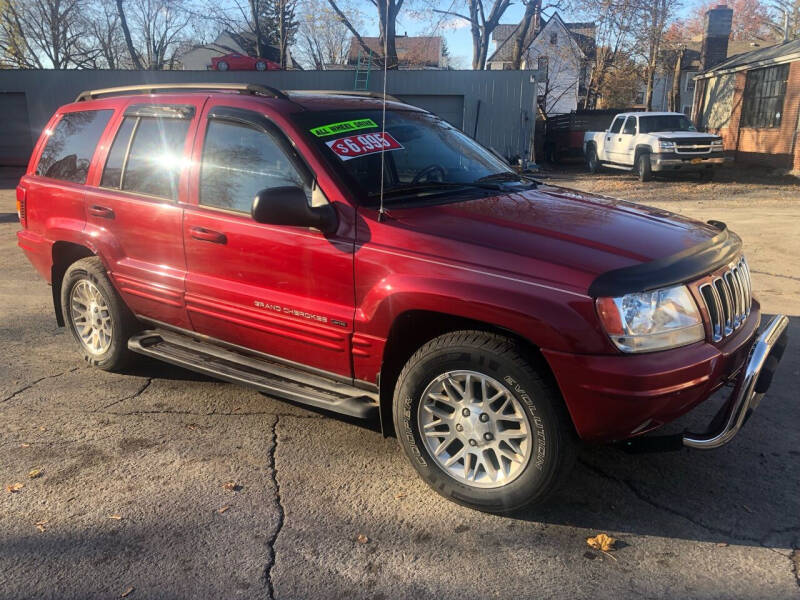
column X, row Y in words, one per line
column 716, row 32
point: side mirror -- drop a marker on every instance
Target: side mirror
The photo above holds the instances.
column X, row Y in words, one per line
column 289, row 206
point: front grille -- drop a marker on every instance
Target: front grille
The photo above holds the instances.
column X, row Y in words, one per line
column 693, row 148
column 727, row 295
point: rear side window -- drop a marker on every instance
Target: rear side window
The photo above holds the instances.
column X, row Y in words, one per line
column 70, row 147
column 238, row 162
column 147, row 155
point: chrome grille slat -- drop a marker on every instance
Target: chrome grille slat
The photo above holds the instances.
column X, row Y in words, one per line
column 728, row 298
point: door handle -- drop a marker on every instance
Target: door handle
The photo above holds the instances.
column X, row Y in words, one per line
column 608, row 138
column 619, row 139
column 101, row 211
column 207, row 235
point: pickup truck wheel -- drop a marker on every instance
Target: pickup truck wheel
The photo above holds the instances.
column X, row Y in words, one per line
column 480, row 424
column 96, row 316
column 643, row 169
column 592, row 162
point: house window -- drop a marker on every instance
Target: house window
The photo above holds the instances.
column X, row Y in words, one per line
column 764, row 92
column 542, row 66
column 553, row 39
column 639, row 98
column 690, row 81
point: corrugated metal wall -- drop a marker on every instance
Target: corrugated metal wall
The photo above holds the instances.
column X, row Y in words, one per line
column 497, row 105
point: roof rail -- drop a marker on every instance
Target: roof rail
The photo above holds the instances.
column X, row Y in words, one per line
column 361, row 93
column 152, row 88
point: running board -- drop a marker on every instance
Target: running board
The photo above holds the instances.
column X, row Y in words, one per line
column 266, row 376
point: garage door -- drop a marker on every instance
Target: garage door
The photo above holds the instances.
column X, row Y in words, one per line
column 15, row 130
column 449, row 108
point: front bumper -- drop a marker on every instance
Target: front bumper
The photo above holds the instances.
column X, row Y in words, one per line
column 620, row 396
column 672, row 161
column 751, row 385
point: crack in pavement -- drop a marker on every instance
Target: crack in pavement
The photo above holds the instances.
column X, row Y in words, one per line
column 281, row 511
column 136, row 394
column 37, row 381
column 777, row 275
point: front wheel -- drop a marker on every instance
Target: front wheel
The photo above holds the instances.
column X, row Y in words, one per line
column 643, row 167
column 261, row 65
column 222, row 66
column 482, row 425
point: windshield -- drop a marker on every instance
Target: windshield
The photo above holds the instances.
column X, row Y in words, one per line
column 421, row 152
column 665, row 123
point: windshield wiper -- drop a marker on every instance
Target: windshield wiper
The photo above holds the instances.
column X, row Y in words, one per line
column 434, row 186
column 506, row 176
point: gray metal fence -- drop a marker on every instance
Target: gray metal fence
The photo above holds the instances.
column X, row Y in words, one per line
column 494, row 107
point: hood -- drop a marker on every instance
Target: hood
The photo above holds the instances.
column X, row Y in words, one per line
column 527, row 232
column 685, row 135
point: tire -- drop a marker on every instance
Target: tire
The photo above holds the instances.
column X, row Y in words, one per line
column 222, row 66
column 592, row 162
column 643, row 168
column 261, row 65
column 528, row 403
column 87, row 293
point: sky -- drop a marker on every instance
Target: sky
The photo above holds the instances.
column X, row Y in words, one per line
column 456, row 31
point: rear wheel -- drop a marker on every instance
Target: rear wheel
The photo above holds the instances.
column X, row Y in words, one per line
column 592, row 162
column 643, row 168
column 480, row 424
column 96, row 316
column 261, row 65
column 222, row 66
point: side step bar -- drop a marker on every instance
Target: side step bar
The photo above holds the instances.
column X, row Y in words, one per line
column 271, row 377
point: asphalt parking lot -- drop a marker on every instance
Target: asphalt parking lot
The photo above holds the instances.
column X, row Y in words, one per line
column 131, row 499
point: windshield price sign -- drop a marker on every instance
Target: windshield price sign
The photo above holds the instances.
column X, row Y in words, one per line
column 354, row 146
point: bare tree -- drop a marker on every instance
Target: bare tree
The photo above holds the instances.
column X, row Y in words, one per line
column 102, row 45
column 481, row 26
column 650, row 23
column 784, row 19
column 123, row 22
column 40, row 33
column 322, row 38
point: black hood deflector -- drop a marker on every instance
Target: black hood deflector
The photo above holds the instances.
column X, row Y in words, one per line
column 682, row 267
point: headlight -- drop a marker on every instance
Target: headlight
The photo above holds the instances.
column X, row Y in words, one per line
column 663, row 145
column 648, row 321
column 716, row 143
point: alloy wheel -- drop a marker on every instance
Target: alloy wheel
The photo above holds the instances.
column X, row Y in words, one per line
column 91, row 317
column 475, row 429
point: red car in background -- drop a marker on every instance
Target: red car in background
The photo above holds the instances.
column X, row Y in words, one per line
column 240, row 62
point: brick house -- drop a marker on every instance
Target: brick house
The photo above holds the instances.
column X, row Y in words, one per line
column 753, row 102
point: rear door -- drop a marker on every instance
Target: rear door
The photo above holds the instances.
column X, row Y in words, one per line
column 280, row 290
column 134, row 210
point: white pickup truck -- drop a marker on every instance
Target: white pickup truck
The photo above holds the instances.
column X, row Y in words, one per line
column 649, row 142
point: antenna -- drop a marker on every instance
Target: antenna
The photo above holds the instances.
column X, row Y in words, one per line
column 381, row 212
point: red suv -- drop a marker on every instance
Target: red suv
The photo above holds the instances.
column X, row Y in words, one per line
column 298, row 243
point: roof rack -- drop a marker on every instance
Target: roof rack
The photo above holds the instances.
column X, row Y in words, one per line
column 361, row 93
column 152, row 88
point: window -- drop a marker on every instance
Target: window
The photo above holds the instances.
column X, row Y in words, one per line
column 543, row 65
column 150, row 163
column 690, row 81
column 764, row 92
column 639, row 98
column 70, row 148
column 553, row 39
column 238, row 162
column 630, row 126
column 616, row 125
column 651, row 123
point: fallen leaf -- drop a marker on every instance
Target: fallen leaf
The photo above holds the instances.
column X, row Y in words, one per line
column 34, row 473
column 398, row 496
column 362, row 539
column 14, row 487
column 191, row 427
column 116, row 517
column 231, row 486
column 722, row 544
column 42, row 428
column 223, row 509
column 24, row 445
column 601, row 542
column 126, row 592
column 40, row 525
column 747, row 508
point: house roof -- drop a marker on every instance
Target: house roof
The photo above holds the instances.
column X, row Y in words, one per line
column 582, row 32
column 694, row 49
column 421, row 51
column 779, row 53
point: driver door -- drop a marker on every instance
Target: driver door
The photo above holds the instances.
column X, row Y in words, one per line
column 280, row 290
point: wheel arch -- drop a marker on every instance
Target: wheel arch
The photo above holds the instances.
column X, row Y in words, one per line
column 640, row 149
column 414, row 328
column 64, row 254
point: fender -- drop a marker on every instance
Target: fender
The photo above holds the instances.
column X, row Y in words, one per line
column 543, row 316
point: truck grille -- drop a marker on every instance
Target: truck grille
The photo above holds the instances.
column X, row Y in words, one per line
column 701, row 148
column 727, row 295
